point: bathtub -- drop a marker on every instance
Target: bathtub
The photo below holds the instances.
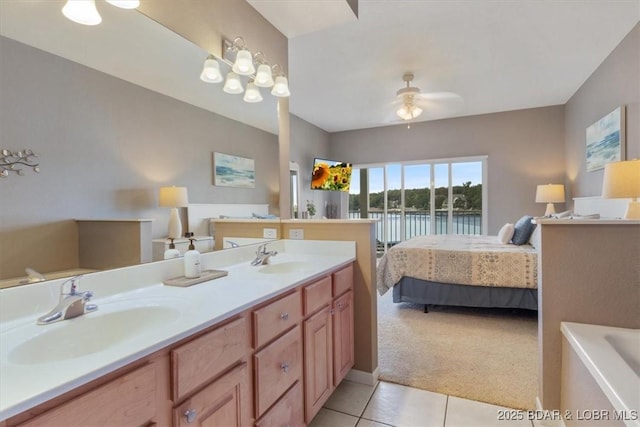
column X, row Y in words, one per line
column 612, row 357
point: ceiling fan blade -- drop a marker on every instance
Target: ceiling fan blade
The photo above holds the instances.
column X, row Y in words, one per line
column 437, row 96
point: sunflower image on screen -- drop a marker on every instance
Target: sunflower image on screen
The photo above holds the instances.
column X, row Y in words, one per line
column 331, row 175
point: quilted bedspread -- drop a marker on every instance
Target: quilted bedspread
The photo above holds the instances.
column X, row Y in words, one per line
column 460, row 259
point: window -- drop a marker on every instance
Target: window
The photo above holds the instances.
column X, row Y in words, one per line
column 419, row 198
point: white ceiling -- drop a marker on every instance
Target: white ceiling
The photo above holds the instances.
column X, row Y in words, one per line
column 499, row 55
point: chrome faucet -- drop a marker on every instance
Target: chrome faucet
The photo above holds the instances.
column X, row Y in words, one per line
column 262, row 256
column 70, row 305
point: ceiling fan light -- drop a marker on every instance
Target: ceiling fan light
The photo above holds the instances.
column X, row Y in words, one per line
column 125, row 4
column 233, row 85
column 281, row 87
column 264, row 76
column 82, row 11
column 252, row 94
column 211, row 71
column 244, row 63
column 416, row 111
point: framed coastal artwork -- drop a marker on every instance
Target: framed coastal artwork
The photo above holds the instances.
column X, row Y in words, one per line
column 233, row 171
column 605, row 140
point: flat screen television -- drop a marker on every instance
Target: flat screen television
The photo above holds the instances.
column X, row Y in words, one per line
column 331, row 175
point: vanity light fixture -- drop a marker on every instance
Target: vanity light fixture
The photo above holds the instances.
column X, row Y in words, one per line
column 211, row 70
column 84, row 11
column 255, row 67
column 10, row 161
column 252, row 94
column 233, row 84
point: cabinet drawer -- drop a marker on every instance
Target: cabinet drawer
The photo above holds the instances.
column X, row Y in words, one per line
column 126, row 401
column 198, row 361
column 277, row 367
column 287, row 412
column 316, row 295
column 275, row 318
column 224, row 402
column 343, row 280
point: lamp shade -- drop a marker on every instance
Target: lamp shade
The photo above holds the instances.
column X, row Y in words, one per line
column 550, row 193
column 281, row 87
column 82, row 11
column 244, row 63
column 173, row 197
column 233, row 84
column 252, row 94
column 621, row 179
column 264, row 76
column 125, row 4
column 211, row 71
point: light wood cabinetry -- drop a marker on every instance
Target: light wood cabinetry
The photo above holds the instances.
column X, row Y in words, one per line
column 273, row 364
column 328, row 337
column 129, row 400
column 224, row 402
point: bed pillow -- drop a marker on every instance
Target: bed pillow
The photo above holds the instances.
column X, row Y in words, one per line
column 505, row 234
column 522, row 230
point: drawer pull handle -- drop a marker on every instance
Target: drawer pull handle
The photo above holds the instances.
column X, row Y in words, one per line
column 285, row 367
column 284, row 316
column 190, row 415
column 340, row 306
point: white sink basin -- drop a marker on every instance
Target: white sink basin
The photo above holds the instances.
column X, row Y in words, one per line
column 89, row 333
column 285, row 267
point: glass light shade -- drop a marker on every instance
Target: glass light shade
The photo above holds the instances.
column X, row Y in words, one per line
column 125, row 4
column 82, row 11
column 173, row 197
column 244, row 63
column 550, row 193
column 211, row 71
column 233, row 84
column 281, row 87
column 252, row 94
column 264, row 77
column 408, row 112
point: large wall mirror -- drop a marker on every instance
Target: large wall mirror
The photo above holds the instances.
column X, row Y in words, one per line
column 104, row 153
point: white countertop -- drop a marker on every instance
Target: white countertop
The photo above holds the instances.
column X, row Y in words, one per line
column 25, row 385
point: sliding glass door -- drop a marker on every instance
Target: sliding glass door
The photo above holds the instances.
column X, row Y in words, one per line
column 420, row 198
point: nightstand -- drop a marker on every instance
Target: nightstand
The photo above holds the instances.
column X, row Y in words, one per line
column 201, row 243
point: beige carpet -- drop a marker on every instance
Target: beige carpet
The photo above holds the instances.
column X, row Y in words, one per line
column 479, row 354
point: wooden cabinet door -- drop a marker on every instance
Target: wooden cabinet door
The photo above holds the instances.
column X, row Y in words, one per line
column 225, row 402
column 318, row 362
column 343, row 345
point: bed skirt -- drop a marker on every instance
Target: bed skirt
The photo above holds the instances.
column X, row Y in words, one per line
column 419, row 291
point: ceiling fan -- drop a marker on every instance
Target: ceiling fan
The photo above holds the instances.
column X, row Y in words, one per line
column 413, row 102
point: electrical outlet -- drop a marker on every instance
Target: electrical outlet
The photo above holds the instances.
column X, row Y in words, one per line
column 269, row 233
column 296, row 233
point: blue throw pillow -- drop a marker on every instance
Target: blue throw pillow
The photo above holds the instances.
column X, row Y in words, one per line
column 522, row 230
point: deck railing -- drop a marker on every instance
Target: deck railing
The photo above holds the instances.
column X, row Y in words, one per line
column 418, row 223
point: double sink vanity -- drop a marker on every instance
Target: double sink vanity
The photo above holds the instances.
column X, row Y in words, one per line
column 265, row 345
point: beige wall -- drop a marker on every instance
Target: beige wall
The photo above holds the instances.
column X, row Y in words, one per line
column 588, row 273
column 615, row 82
column 525, row 148
column 105, row 148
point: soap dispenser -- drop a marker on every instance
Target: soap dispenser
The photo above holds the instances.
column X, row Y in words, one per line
column 172, row 252
column 192, row 262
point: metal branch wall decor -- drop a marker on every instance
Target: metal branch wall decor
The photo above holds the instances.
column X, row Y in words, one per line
column 11, row 161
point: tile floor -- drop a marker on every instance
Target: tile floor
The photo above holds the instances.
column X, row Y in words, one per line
column 388, row 404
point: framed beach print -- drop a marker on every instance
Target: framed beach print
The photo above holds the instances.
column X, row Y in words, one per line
column 233, row 171
column 605, row 140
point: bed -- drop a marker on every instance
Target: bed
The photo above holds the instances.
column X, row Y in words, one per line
column 461, row 270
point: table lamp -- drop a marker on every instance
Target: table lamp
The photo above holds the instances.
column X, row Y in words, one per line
column 550, row 194
column 622, row 180
column 174, row 198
